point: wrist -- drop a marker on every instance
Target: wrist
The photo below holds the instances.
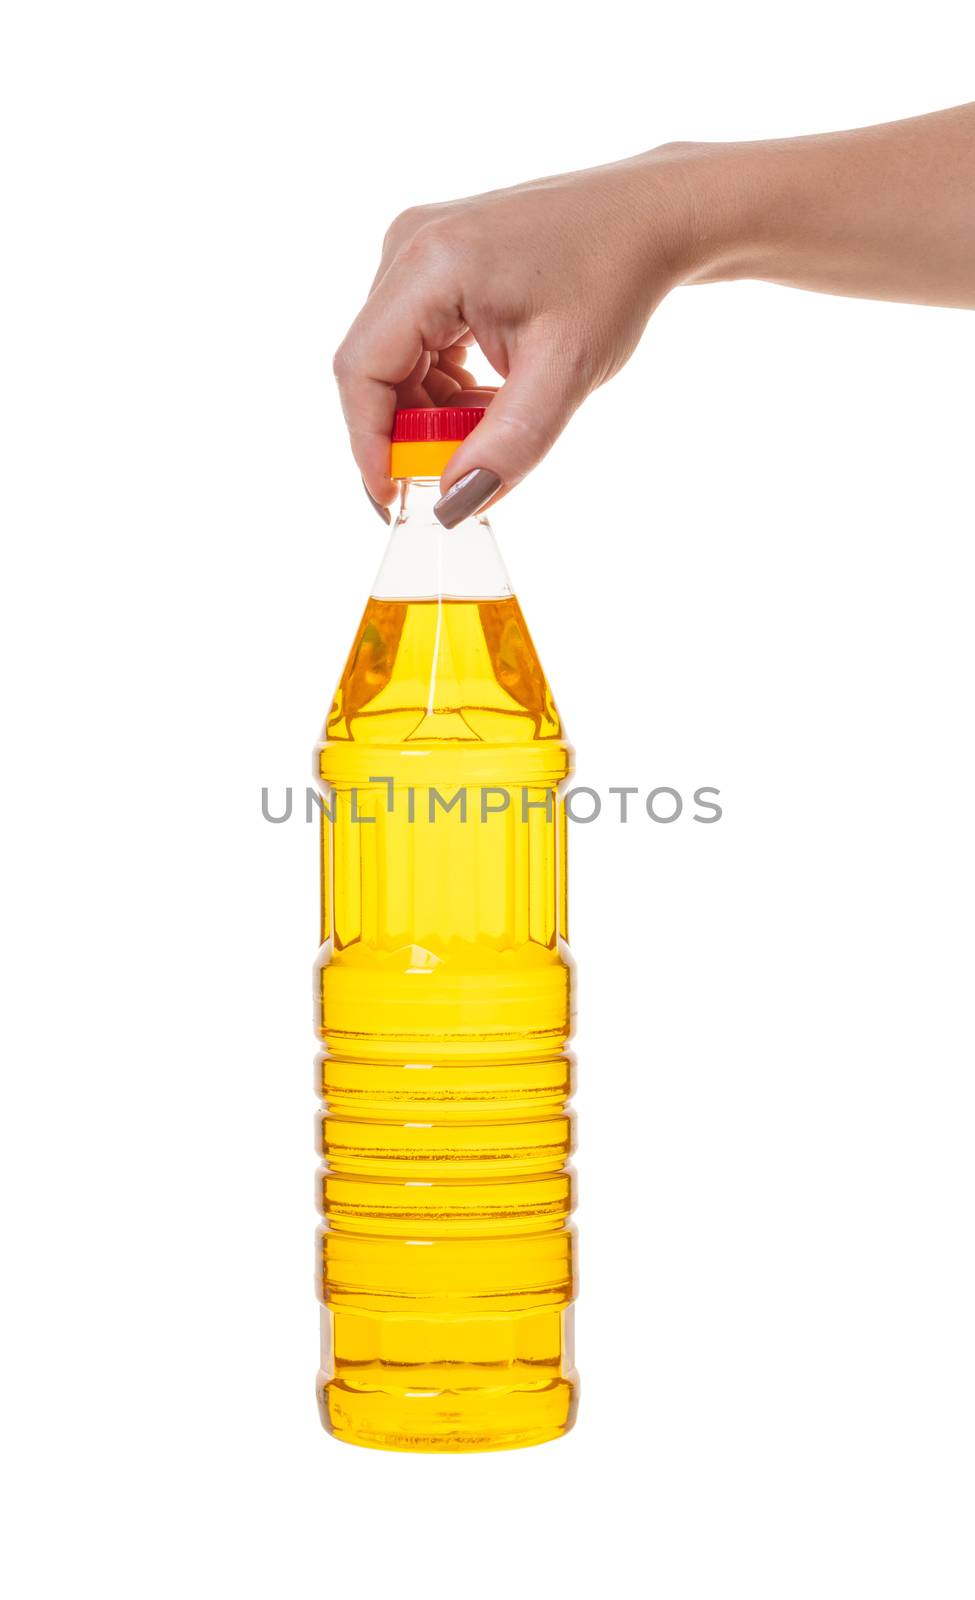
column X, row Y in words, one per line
column 719, row 201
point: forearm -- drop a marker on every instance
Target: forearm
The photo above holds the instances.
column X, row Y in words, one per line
column 885, row 213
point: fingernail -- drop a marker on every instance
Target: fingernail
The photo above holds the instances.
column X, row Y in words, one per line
column 467, row 496
column 382, row 510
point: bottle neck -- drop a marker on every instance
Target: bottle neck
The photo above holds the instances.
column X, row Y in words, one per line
column 426, row 561
column 417, row 498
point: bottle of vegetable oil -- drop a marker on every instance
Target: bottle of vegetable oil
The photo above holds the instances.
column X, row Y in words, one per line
column 444, row 1001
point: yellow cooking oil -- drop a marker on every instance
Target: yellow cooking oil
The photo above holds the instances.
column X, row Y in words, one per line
column 444, row 1010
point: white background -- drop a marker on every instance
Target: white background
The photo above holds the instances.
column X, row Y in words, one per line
column 748, row 564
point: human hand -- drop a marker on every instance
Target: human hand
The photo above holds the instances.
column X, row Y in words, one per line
column 555, row 280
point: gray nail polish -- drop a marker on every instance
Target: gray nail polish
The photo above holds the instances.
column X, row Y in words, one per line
column 467, row 496
column 382, row 510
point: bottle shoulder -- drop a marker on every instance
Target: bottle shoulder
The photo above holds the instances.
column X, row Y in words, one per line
column 435, row 671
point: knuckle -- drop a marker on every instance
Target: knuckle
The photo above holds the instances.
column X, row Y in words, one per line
column 674, row 147
column 404, row 226
column 432, row 246
column 523, row 429
column 341, row 363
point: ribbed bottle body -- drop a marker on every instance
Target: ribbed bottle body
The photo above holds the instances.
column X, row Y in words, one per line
column 444, row 1009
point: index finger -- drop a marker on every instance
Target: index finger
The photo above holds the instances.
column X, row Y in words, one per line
column 401, row 319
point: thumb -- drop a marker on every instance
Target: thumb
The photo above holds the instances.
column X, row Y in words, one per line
column 519, row 427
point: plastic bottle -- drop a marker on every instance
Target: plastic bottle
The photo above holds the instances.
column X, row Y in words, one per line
column 443, row 997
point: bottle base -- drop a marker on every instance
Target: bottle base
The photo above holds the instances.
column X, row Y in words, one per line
column 447, row 1421
column 453, row 1383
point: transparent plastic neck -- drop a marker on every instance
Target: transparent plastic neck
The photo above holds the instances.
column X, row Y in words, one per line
column 425, row 561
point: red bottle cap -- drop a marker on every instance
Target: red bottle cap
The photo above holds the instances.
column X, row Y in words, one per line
column 435, row 424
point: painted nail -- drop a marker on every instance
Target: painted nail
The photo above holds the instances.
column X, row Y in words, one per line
column 467, row 496
column 383, row 511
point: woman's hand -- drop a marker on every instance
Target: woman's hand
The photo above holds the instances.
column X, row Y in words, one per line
column 554, row 280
